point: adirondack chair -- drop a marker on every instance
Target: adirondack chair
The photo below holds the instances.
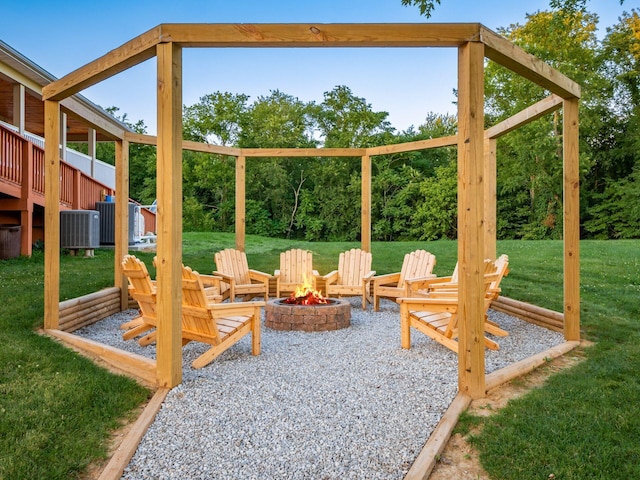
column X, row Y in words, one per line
column 436, row 315
column 353, row 276
column 296, row 266
column 417, row 265
column 143, row 291
column 212, row 285
column 431, row 286
column 236, row 277
column 218, row 324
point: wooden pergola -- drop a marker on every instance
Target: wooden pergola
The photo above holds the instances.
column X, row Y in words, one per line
column 476, row 162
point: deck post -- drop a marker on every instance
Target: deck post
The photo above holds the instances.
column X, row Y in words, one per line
column 241, row 191
column 571, row 192
column 122, row 219
column 365, row 234
column 19, row 100
column 51, row 215
column 26, row 200
column 169, row 191
column 471, row 366
column 490, row 198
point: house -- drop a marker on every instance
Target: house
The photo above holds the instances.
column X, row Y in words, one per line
column 85, row 180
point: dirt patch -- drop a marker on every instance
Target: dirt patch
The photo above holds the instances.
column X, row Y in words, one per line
column 459, row 459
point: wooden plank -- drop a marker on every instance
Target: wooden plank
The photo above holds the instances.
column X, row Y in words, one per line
column 571, row 229
column 499, row 377
column 52, row 215
column 505, row 53
column 528, row 115
column 123, row 454
column 365, row 214
column 490, row 198
column 426, row 460
column 79, row 110
column 169, row 215
column 241, row 172
column 121, row 235
column 321, row 35
column 448, row 141
column 303, row 152
column 471, row 367
column 131, row 53
column 208, row 148
column 140, row 367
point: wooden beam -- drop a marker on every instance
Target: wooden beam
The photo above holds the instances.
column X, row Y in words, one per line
column 129, row 54
column 107, row 127
column 365, row 227
column 448, row 141
column 428, row 457
column 169, row 215
column 321, row 35
column 303, row 152
column 207, row 148
column 528, row 115
column 241, row 189
column 571, row 202
column 490, row 198
column 140, row 367
column 471, row 367
column 122, row 220
column 505, row 53
column 51, row 214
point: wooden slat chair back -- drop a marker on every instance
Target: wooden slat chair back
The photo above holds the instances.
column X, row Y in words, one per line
column 353, row 276
column 436, row 314
column 220, row 325
column 296, row 266
column 417, row 265
column 143, row 290
column 236, row 276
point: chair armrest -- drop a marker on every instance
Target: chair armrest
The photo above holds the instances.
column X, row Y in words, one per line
column 225, row 278
column 232, row 309
column 386, row 279
column 369, row 276
column 330, row 277
column 426, row 283
column 259, row 276
column 211, row 280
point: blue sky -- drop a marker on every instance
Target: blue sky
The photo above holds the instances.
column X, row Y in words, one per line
column 408, row 83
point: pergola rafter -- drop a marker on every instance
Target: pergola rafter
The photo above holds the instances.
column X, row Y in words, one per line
column 476, row 160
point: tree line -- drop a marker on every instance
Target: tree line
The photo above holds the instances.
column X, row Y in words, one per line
column 414, row 194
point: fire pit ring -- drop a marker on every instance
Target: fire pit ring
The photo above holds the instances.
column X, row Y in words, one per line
column 334, row 315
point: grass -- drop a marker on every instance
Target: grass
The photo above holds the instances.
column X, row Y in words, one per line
column 57, row 409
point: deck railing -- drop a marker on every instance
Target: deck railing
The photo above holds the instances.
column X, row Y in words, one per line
column 78, row 191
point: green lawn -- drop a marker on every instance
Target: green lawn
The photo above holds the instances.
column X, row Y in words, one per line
column 56, row 408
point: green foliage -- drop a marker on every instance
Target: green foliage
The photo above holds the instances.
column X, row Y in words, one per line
column 437, row 215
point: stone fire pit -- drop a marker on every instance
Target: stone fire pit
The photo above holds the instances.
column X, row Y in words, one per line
column 334, row 315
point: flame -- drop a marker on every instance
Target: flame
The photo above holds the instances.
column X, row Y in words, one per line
column 305, row 294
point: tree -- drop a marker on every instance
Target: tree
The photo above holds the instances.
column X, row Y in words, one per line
column 216, row 118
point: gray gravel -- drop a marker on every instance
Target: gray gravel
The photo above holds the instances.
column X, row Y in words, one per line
column 349, row 404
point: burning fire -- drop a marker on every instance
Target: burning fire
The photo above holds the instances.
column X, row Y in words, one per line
column 305, row 294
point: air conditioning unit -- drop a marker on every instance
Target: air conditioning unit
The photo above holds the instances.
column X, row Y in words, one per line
column 80, row 229
column 108, row 222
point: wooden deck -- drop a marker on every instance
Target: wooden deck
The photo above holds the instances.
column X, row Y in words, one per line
column 22, row 188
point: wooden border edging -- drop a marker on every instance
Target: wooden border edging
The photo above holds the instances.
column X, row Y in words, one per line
column 426, row 460
column 124, row 453
column 497, row 378
column 140, row 367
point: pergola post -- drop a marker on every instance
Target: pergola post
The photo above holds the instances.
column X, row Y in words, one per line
column 122, row 219
column 365, row 232
column 571, row 192
column 471, row 366
column 241, row 189
column 490, row 198
column 51, row 215
column 169, row 189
